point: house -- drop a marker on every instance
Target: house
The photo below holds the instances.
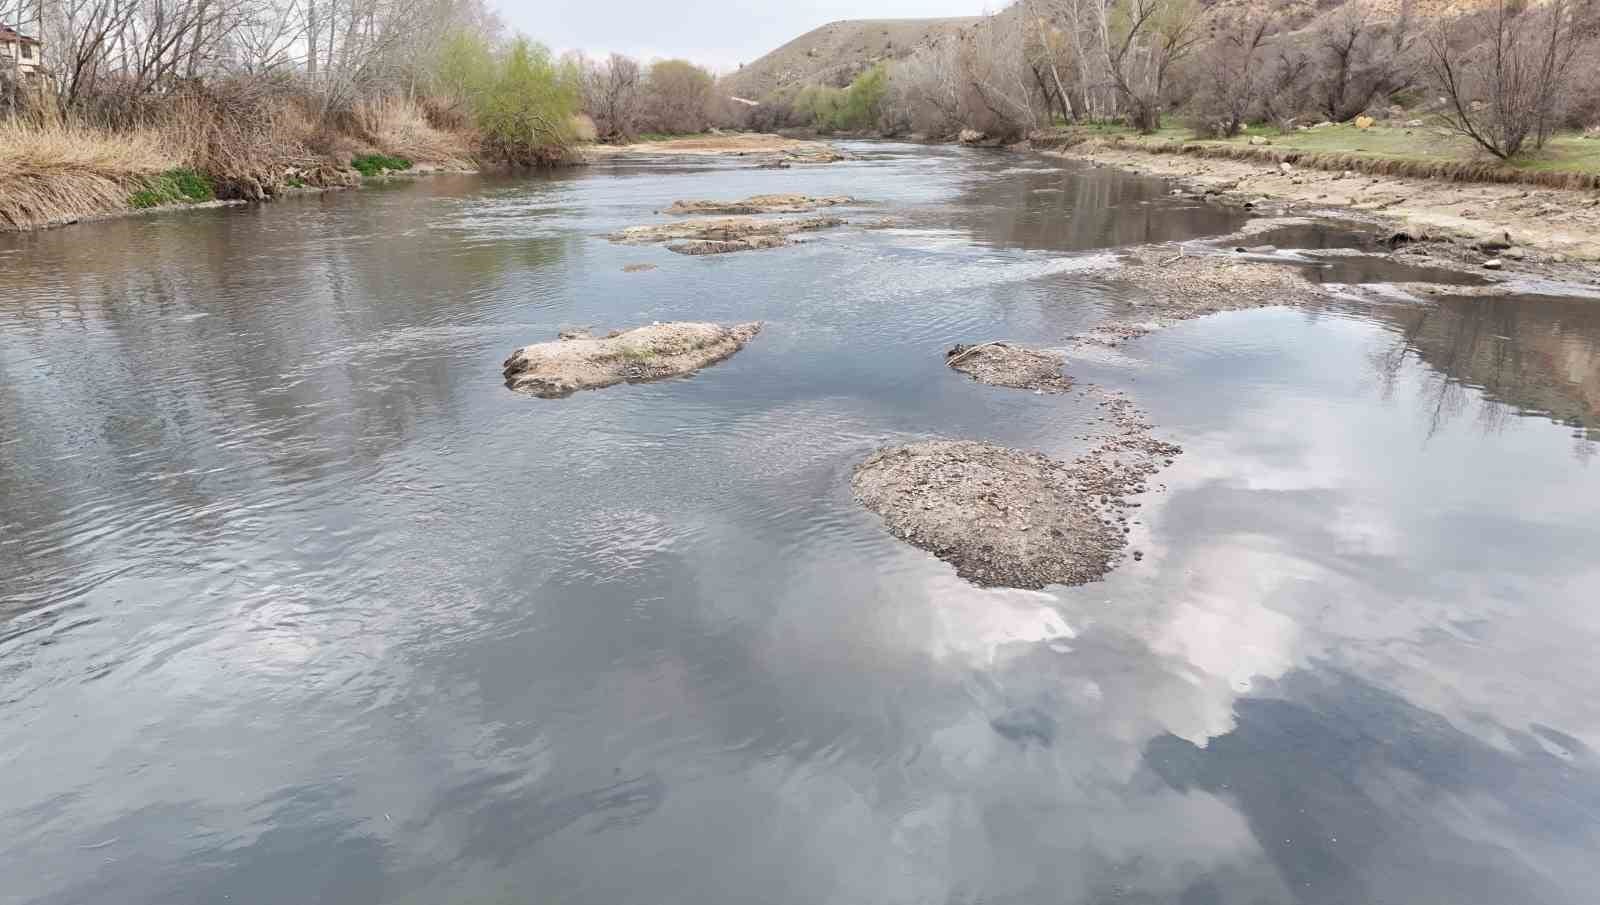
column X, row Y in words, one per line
column 18, row 51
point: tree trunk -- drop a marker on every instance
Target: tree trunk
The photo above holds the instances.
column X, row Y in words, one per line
column 311, row 39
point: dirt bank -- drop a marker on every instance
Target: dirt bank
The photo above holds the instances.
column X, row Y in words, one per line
column 723, row 234
column 768, row 149
column 1551, row 224
column 760, row 204
column 579, row 361
column 1003, row 364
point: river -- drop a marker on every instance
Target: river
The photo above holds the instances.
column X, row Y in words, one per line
column 299, row 604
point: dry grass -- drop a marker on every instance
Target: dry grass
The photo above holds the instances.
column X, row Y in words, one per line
column 242, row 139
column 1467, row 170
column 242, row 136
column 399, row 127
column 58, row 173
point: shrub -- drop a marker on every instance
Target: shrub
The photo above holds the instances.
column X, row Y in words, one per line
column 528, row 114
column 370, row 165
column 859, row 106
column 176, row 186
column 678, row 97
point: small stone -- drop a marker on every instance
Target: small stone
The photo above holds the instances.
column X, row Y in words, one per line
column 1492, row 264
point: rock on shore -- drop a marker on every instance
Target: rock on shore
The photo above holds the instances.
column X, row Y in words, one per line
column 1000, row 516
column 723, row 234
column 579, row 361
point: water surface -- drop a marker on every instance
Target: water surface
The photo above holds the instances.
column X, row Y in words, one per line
column 298, row 604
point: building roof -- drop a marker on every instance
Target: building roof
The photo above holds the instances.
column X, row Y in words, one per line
column 9, row 34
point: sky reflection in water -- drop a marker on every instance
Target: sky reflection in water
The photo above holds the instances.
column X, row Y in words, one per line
column 300, row 605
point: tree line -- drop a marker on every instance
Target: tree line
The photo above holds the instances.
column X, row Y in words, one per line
column 250, row 84
column 1505, row 74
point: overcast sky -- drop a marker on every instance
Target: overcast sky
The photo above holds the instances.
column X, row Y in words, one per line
column 717, row 33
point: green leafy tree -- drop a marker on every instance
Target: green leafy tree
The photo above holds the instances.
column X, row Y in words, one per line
column 463, row 68
column 527, row 113
column 859, row 106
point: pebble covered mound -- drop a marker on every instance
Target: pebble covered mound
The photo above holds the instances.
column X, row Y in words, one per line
column 1000, row 516
column 1006, row 365
column 724, row 234
column 787, row 203
column 580, row 361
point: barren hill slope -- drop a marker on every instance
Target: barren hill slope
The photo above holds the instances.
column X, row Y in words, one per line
column 836, row 52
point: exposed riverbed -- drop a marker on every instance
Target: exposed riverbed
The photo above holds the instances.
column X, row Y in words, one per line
column 299, row 603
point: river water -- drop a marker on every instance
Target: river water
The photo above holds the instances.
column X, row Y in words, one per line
column 299, row 604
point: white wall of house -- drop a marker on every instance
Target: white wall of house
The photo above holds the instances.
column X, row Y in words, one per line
column 22, row 54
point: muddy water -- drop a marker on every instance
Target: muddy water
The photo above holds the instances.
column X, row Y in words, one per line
column 299, row 604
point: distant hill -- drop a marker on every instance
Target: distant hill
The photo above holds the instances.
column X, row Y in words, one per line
column 836, row 52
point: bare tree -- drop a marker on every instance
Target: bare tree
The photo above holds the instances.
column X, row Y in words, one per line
column 1050, row 56
column 1148, row 37
column 1503, row 71
column 1229, row 70
column 613, row 91
column 1286, row 90
column 1364, row 57
column 924, row 89
column 268, row 37
column 678, row 97
column 1001, row 84
column 1070, row 38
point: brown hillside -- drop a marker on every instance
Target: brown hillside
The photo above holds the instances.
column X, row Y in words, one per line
column 835, row 53
column 838, row 51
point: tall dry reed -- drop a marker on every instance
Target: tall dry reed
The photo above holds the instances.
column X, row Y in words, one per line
column 56, row 173
column 400, row 127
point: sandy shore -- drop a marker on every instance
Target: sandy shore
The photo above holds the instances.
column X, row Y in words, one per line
column 1556, row 225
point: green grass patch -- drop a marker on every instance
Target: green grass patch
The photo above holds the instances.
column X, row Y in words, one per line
column 376, row 164
column 179, row 186
column 1568, row 152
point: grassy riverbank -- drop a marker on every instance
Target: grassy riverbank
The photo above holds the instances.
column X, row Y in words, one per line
column 1569, row 160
